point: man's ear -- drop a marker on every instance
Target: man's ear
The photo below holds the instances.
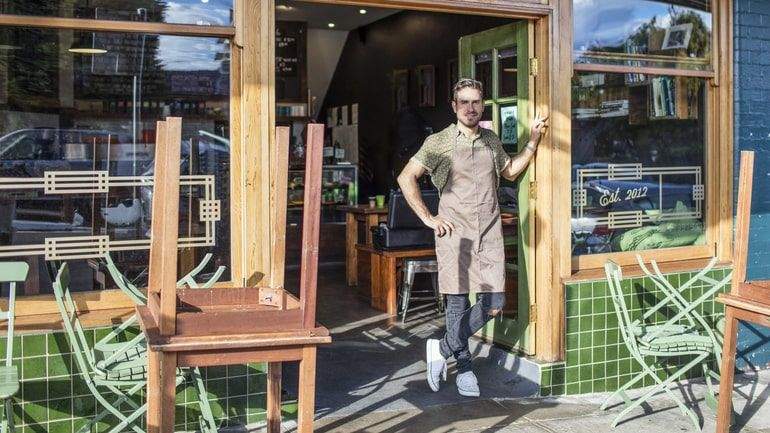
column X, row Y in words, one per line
column 454, row 107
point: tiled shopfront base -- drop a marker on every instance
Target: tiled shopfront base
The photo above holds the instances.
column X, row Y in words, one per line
column 596, row 358
column 54, row 397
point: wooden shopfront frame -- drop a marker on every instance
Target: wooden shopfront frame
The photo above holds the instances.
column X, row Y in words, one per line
column 258, row 193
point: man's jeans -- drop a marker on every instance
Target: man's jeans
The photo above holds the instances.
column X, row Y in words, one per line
column 462, row 321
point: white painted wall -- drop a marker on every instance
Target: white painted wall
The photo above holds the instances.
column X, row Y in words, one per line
column 324, row 48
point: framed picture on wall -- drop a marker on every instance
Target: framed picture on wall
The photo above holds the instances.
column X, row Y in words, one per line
column 400, row 89
column 677, row 37
column 453, row 76
column 508, row 126
column 426, row 82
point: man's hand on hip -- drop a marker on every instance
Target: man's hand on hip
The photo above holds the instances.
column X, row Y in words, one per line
column 440, row 225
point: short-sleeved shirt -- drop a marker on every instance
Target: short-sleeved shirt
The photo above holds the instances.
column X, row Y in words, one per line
column 436, row 152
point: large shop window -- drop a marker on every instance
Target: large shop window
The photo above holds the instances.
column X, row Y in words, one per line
column 667, row 34
column 639, row 125
column 77, row 130
column 198, row 12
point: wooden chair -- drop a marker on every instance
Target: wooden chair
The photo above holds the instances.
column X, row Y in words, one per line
column 229, row 325
column 11, row 273
column 747, row 301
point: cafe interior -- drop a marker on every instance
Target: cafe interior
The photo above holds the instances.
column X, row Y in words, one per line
column 380, row 80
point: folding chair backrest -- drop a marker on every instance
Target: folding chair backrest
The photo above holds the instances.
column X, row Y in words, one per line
column 614, row 276
column 11, row 273
column 123, row 283
column 72, row 326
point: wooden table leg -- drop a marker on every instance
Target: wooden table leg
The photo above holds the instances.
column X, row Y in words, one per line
column 161, row 391
column 274, row 376
column 372, row 220
column 724, row 409
column 391, row 285
column 153, row 391
column 351, row 254
column 306, row 390
column 375, row 263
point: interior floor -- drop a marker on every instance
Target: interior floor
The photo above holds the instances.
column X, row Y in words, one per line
column 372, row 365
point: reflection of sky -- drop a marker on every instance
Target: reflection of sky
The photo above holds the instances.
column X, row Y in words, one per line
column 180, row 53
column 210, row 12
column 610, row 22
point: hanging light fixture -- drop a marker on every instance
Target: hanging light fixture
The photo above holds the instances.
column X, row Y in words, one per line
column 78, row 47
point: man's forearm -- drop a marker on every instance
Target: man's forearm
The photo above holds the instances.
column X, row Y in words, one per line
column 520, row 161
column 411, row 191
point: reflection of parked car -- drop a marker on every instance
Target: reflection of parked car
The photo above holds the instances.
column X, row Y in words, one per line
column 213, row 157
column 29, row 153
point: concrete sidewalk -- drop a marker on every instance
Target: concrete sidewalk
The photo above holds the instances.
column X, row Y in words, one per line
column 372, row 379
column 578, row 414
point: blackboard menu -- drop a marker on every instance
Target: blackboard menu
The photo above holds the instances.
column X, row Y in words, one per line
column 290, row 61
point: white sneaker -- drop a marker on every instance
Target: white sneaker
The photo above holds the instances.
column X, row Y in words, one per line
column 436, row 364
column 467, row 384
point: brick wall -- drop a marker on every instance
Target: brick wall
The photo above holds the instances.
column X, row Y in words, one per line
column 752, row 132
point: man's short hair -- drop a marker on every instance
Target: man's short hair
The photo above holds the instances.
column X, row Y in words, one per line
column 467, row 83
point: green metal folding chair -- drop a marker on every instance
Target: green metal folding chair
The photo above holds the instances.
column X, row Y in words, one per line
column 689, row 310
column 10, row 273
column 207, row 419
column 188, row 280
column 116, row 368
column 658, row 342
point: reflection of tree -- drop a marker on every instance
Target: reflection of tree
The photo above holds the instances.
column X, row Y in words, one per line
column 87, row 9
column 640, row 40
column 31, row 64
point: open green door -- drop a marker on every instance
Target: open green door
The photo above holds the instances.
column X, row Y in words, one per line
column 499, row 58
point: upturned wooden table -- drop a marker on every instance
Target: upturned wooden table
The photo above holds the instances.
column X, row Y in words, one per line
column 355, row 215
column 384, row 273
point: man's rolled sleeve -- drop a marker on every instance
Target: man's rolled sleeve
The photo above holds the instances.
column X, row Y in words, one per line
column 427, row 156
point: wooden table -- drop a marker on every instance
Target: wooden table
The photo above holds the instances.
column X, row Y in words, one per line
column 384, row 273
column 371, row 217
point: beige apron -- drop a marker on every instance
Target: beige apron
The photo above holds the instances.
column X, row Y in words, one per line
column 472, row 259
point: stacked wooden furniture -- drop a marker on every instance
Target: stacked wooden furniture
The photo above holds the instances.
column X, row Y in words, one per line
column 748, row 300
column 224, row 326
column 355, row 215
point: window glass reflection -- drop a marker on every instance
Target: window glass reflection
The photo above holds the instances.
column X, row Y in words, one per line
column 209, row 12
column 674, row 34
column 73, row 101
column 638, row 150
column 483, row 71
column 507, row 71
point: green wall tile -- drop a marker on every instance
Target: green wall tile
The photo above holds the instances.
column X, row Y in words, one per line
column 58, row 365
column 33, row 368
column 58, row 343
column 59, row 409
column 35, row 390
column 33, row 345
column 572, row 292
column 60, row 387
column 35, row 413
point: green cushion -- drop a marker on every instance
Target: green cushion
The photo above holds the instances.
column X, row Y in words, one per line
column 9, row 381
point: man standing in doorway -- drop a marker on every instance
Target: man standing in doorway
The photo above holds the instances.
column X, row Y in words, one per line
column 465, row 163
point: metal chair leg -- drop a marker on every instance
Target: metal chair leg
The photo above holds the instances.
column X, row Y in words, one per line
column 407, row 287
column 437, row 294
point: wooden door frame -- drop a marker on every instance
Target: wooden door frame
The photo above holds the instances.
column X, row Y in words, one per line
column 553, row 43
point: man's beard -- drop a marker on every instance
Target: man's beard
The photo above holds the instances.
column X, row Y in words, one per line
column 470, row 123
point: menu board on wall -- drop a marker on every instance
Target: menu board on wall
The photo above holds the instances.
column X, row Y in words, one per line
column 290, row 61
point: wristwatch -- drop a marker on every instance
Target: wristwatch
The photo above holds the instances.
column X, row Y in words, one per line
column 531, row 147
